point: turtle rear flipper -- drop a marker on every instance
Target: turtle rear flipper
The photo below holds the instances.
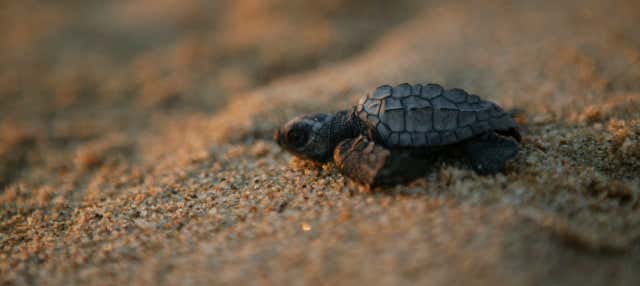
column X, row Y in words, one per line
column 490, row 152
column 372, row 165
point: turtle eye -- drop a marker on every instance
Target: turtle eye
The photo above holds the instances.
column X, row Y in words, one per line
column 297, row 137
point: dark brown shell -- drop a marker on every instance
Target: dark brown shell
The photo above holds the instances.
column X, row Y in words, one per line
column 427, row 115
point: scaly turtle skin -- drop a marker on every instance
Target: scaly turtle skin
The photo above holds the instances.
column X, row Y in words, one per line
column 394, row 133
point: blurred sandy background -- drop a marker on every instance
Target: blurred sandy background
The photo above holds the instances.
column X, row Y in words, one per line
column 135, row 143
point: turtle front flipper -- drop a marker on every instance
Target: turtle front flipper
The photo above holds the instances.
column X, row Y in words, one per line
column 373, row 165
column 490, row 152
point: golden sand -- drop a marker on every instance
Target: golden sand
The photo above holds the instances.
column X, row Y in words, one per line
column 135, row 144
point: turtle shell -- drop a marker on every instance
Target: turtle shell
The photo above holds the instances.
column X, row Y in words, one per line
column 428, row 115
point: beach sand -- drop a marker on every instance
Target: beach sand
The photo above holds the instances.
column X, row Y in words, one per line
column 136, row 143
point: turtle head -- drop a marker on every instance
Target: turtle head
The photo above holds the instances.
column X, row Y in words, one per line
column 307, row 136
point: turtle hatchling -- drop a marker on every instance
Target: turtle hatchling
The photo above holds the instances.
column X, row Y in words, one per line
column 394, row 134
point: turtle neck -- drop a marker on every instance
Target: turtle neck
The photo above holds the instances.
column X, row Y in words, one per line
column 344, row 125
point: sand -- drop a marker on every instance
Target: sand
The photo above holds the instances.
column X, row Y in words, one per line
column 136, row 144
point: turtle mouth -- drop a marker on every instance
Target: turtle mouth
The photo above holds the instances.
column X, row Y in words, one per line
column 277, row 136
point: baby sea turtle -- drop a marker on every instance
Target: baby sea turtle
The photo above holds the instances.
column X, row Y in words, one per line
column 393, row 134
